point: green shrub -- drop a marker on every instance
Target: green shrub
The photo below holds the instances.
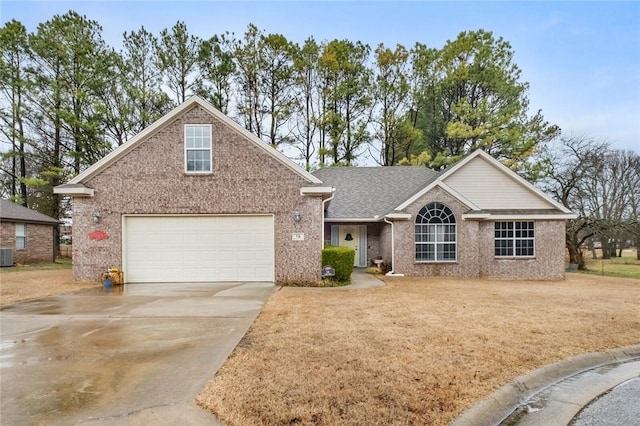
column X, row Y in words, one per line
column 341, row 259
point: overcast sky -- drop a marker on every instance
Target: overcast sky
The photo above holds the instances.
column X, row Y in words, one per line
column 582, row 59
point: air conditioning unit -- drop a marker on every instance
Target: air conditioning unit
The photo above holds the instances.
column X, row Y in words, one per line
column 6, row 257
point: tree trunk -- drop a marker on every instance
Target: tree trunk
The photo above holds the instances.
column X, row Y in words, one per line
column 575, row 254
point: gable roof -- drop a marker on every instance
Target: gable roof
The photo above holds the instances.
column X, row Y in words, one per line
column 12, row 212
column 372, row 192
column 508, row 173
column 71, row 187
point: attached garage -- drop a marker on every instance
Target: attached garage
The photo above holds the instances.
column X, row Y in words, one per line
column 186, row 248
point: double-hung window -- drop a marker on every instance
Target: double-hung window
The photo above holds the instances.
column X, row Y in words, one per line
column 435, row 234
column 514, row 239
column 197, row 148
column 21, row 236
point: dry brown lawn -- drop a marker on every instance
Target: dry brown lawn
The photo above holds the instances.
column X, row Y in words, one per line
column 419, row 351
column 20, row 285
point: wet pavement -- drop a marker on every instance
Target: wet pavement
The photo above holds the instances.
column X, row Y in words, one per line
column 136, row 355
column 619, row 406
column 563, row 401
column 601, row 387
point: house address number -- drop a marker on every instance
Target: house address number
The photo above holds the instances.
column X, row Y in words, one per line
column 297, row 236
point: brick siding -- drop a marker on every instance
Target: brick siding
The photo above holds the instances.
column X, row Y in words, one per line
column 39, row 242
column 475, row 247
column 150, row 179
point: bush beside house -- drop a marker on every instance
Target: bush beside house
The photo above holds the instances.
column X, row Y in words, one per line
column 341, row 259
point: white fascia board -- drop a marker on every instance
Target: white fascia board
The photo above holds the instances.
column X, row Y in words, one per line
column 489, row 216
column 461, row 163
column 477, row 216
column 398, row 216
column 137, row 139
column 445, row 188
column 286, row 161
column 133, row 142
column 561, row 216
column 510, row 173
column 352, row 219
column 458, row 196
column 74, row 192
column 317, row 190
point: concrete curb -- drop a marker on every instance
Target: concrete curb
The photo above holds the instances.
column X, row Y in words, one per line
column 507, row 399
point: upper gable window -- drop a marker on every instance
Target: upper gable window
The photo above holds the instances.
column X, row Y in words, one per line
column 435, row 234
column 197, row 148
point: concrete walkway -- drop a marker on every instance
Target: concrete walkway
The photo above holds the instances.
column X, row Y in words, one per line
column 556, row 394
column 361, row 279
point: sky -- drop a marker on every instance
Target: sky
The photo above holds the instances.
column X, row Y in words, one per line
column 580, row 58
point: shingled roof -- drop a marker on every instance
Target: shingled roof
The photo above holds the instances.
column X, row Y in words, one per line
column 12, row 212
column 367, row 192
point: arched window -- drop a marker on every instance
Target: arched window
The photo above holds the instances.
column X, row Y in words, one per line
column 435, row 234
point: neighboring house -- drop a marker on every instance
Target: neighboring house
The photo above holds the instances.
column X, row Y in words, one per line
column 476, row 219
column 27, row 233
column 196, row 197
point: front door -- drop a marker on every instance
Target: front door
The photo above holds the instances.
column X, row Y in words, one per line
column 349, row 237
column 354, row 236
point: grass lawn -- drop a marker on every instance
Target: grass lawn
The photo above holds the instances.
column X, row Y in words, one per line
column 627, row 266
column 60, row 263
column 21, row 283
column 418, row 351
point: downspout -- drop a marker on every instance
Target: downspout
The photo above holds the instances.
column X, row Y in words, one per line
column 324, row 203
column 392, row 273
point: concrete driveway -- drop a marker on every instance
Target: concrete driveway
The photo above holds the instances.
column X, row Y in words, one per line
column 136, row 355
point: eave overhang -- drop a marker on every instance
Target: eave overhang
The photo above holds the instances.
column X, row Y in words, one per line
column 317, row 191
column 74, row 190
column 353, row 219
column 518, row 216
column 398, row 216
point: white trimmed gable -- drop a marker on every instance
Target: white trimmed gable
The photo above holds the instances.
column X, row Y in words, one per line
column 489, row 187
column 122, row 150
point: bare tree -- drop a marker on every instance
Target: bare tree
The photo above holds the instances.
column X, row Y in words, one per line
column 572, row 164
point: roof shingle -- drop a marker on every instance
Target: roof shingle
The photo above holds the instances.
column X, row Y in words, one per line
column 367, row 192
column 12, row 212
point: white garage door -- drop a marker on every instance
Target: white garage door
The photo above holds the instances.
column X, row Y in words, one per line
column 198, row 248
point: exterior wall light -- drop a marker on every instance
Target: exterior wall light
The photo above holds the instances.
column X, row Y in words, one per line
column 297, row 217
column 96, row 218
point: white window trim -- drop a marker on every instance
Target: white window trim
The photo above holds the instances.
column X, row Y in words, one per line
column 23, row 236
column 435, row 243
column 514, row 239
column 198, row 172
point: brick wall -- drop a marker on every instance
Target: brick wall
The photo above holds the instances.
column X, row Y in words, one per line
column 548, row 263
column 7, row 235
column 475, row 248
column 150, row 179
column 467, row 256
column 39, row 242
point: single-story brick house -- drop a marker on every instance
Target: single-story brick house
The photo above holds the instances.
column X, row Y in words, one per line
column 475, row 219
column 196, row 197
column 28, row 233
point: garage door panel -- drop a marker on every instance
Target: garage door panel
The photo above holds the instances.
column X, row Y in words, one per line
column 198, row 248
